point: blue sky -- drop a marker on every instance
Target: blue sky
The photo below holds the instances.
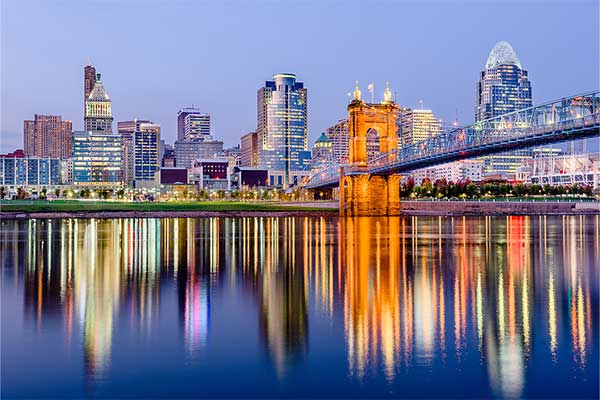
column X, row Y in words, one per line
column 158, row 56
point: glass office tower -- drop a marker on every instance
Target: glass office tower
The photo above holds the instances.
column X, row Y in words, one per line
column 503, row 87
column 282, row 129
column 147, row 140
column 96, row 158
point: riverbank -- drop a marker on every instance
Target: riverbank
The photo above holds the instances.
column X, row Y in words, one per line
column 109, row 209
column 89, row 209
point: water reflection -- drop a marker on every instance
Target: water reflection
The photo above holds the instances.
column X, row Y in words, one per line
column 412, row 292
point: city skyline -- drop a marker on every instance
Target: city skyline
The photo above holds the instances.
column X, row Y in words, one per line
column 157, row 88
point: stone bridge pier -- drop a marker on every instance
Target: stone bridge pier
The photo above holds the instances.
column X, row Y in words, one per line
column 370, row 195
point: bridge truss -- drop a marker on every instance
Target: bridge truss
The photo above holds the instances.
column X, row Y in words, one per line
column 569, row 118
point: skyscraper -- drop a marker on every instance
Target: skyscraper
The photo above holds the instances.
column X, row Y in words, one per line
column 127, row 131
column 48, row 136
column 98, row 109
column 282, row 129
column 192, row 124
column 147, row 142
column 503, row 87
column 417, row 125
column 89, row 80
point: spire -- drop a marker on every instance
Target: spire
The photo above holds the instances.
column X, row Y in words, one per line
column 356, row 92
column 387, row 96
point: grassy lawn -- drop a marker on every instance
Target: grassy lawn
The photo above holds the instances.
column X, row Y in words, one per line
column 79, row 206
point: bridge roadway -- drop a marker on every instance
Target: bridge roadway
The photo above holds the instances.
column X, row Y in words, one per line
column 566, row 119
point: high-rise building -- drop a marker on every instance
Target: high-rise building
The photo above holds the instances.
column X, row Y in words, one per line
column 188, row 151
column 503, row 87
column 147, row 143
column 339, row 136
column 192, row 124
column 417, row 125
column 89, row 80
column 48, row 136
column 249, row 144
column 98, row 109
column 97, row 158
column 322, row 154
column 127, row 131
column 282, row 129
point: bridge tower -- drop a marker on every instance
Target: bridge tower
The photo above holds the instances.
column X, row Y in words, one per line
column 363, row 194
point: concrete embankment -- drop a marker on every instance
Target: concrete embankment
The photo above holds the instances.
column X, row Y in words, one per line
column 329, row 209
column 165, row 214
column 498, row 208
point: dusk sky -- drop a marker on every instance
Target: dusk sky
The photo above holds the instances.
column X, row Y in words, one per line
column 156, row 57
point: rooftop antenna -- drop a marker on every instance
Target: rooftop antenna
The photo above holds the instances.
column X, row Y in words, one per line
column 421, row 104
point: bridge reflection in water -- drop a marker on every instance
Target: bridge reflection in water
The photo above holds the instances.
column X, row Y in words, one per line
column 411, row 292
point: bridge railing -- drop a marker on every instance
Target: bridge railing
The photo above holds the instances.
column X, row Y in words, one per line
column 563, row 114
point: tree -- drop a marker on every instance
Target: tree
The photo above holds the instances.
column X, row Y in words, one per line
column 57, row 192
column 2, row 192
column 43, row 194
column 407, row 187
column 441, row 188
column 427, row 187
column 202, row 194
column 21, row 193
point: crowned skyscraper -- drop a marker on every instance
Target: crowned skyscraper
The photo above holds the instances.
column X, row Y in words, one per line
column 98, row 109
column 503, row 87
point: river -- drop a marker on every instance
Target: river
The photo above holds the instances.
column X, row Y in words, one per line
column 301, row 307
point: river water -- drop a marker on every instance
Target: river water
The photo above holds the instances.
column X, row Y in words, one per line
column 301, row 307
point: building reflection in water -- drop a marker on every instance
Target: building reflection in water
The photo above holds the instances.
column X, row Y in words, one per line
column 415, row 291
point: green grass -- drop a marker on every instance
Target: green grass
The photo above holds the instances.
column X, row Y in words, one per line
column 29, row 206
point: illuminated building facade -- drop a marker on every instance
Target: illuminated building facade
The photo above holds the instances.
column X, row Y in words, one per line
column 249, row 156
column 417, row 125
column 188, row 151
column 48, row 136
column 29, row 171
column 503, row 87
column 561, row 169
column 146, row 143
column 339, row 137
column 457, row 171
column 212, row 173
column 282, row 129
column 127, row 131
column 192, row 124
column 98, row 110
column 322, row 153
column 97, row 158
